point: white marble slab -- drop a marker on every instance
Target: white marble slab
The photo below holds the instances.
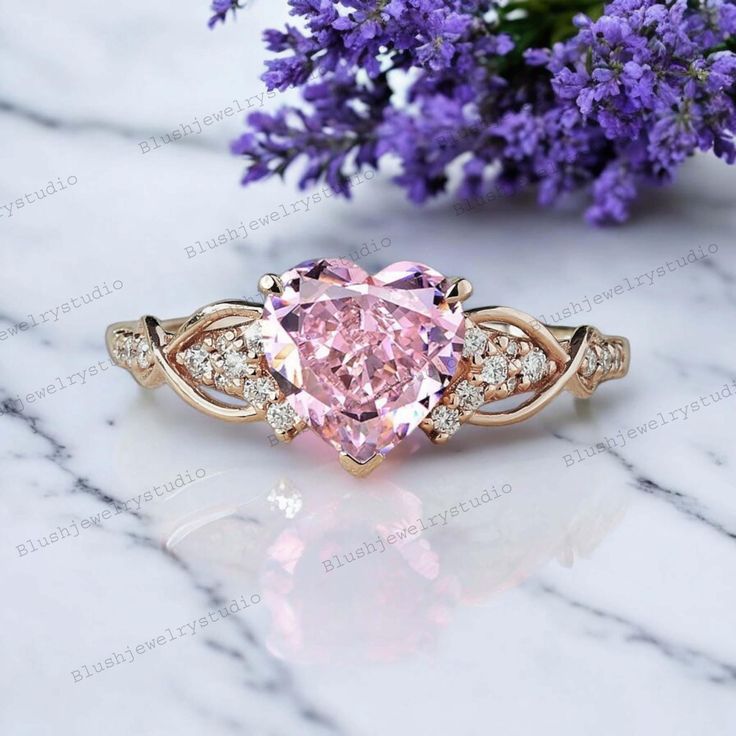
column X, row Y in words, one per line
column 594, row 597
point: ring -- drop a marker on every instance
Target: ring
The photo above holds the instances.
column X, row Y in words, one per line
column 364, row 360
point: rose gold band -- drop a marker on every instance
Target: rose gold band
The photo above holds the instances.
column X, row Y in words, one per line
column 576, row 359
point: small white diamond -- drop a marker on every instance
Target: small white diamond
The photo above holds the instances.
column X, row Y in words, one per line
column 197, row 362
column 225, row 344
column 254, row 338
column 234, row 366
column 259, row 391
column 221, row 383
column 475, row 342
column 469, row 397
column 606, row 358
column 512, row 349
column 142, row 352
column 533, row 365
column 123, row 348
column 590, row 363
column 511, row 384
column 446, row 421
column 495, row 369
column 281, row 417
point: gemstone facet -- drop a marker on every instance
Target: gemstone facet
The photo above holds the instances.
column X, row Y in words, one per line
column 363, row 359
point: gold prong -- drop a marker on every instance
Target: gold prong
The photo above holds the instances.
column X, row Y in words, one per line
column 439, row 439
column 289, row 434
column 360, row 470
column 269, row 284
column 282, row 436
column 460, row 290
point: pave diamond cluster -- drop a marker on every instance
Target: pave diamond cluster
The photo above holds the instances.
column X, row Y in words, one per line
column 131, row 350
column 496, row 365
column 602, row 360
column 231, row 361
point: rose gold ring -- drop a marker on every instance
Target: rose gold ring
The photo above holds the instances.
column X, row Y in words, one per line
column 364, row 360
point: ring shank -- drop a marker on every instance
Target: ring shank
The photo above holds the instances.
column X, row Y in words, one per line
column 565, row 349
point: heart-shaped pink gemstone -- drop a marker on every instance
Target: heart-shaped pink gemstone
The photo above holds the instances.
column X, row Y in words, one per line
column 363, row 359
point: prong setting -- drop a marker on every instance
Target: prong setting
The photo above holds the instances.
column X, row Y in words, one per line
column 270, row 284
column 460, row 290
column 360, row 470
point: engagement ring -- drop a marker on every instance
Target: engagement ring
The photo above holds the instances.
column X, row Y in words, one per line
column 364, row 360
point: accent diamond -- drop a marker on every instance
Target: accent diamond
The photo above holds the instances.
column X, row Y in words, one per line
column 446, row 420
column 533, row 365
column 469, row 397
column 226, row 344
column 606, row 358
column 125, row 349
column 281, row 417
column 260, row 391
column 495, row 370
column 475, row 342
column 590, row 363
column 235, row 366
column 254, row 338
column 142, row 352
column 197, row 362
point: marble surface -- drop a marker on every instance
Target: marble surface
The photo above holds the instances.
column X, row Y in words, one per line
column 594, row 596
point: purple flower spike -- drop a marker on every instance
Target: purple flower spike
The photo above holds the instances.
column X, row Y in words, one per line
column 605, row 102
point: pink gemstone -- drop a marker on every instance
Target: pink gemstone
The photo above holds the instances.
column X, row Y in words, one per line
column 362, row 358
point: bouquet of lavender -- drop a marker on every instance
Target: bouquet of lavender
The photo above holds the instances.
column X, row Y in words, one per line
column 557, row 94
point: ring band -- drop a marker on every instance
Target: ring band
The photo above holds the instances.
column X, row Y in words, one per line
column 363, row 360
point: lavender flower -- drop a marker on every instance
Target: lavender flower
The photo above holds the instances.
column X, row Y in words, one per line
column 617, row 98
column 220, row 10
